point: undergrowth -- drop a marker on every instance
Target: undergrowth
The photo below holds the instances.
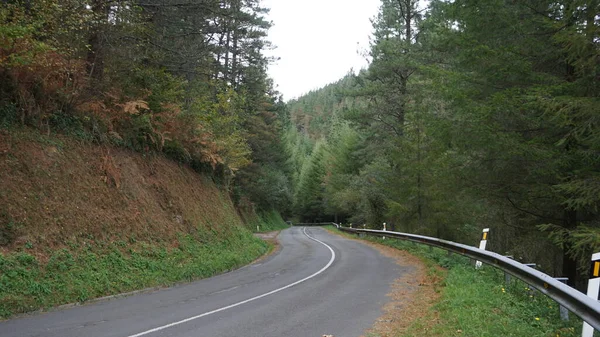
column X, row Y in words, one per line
column 478, row 303
column 86, row 271
column 267, row 221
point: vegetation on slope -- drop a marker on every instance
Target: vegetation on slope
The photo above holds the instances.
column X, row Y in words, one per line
column 95, row 268
column 477, row 303
column 265, row 222
column 102, row 80
column 185, row 80
column 79, row 221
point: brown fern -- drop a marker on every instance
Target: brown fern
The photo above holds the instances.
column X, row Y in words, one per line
column 112, row 174
column 134, row 107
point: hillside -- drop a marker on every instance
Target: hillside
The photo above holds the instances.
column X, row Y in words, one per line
column 78, row 221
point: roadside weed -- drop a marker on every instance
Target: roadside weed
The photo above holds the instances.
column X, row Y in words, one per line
column 83, row 272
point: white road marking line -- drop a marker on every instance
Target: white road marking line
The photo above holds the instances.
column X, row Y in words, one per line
column 250, row 299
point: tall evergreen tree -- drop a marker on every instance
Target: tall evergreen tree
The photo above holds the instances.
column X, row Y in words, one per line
column 309, row 193
column 517, row 107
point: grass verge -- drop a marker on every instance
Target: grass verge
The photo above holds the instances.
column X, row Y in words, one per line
column 267, row 222
column 477, row 303
column 86, row 271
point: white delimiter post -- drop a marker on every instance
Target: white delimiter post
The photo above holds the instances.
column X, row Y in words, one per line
column 593, row 287
column 384, row 229
column 482, row 244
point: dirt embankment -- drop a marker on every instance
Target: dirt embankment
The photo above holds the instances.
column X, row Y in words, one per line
column 56, row 190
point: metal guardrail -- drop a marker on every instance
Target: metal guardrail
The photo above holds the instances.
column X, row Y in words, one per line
column 572, row 299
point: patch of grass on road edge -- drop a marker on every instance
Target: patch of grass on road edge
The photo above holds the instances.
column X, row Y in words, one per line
column 477, row 303
column 83, row 272
column 269, row 221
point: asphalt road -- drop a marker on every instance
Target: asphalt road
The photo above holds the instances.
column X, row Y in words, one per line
column 316, row 284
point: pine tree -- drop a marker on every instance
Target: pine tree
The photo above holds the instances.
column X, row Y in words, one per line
column 519, row 99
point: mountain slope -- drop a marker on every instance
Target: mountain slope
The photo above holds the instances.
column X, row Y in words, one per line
column 79, row 221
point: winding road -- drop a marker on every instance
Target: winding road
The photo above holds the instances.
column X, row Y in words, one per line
column 316, row 284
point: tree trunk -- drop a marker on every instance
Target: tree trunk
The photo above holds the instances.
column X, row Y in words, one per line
column 234, row 51
column 569, row 266
column 95, row 55
column 419, row 179
column 218, row 57
column 234, row 60
column 408, row 22
column 227, row 50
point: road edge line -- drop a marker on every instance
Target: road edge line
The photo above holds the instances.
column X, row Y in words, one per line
column 250, row 299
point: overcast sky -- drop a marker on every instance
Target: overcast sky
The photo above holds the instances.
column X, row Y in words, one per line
column 318, row 41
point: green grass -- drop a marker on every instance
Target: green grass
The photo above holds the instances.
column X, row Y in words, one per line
column 268, row 221
column 83, row 272
column 477, row 303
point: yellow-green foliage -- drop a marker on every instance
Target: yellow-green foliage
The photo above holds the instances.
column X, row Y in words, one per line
column 222, row 117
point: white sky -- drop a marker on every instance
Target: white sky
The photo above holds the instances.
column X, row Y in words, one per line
column 318, row 41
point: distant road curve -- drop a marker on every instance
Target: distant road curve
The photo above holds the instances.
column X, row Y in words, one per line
column 318, row 283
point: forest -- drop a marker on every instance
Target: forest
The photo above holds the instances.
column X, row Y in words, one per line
column 183, row 79
column 471, row 113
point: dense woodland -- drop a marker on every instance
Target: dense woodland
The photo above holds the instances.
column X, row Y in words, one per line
column 182, row 78
column 471, row 114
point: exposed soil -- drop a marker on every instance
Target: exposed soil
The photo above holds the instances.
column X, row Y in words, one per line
column 268, row 236
column 271, row 238
column 56, row 190
column 411, row 297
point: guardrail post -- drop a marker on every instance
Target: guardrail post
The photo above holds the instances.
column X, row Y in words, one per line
column 482, row 244
column 593, row 288
column 507, row 276
column 564, row 312
column 531, row 289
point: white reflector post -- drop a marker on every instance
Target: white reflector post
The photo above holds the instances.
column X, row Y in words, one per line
column 593, row 287
column 482, row 244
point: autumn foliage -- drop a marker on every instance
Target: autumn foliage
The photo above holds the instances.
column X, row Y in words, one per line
column 116, row 73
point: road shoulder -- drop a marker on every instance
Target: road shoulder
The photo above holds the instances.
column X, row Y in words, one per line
column 411, row 296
